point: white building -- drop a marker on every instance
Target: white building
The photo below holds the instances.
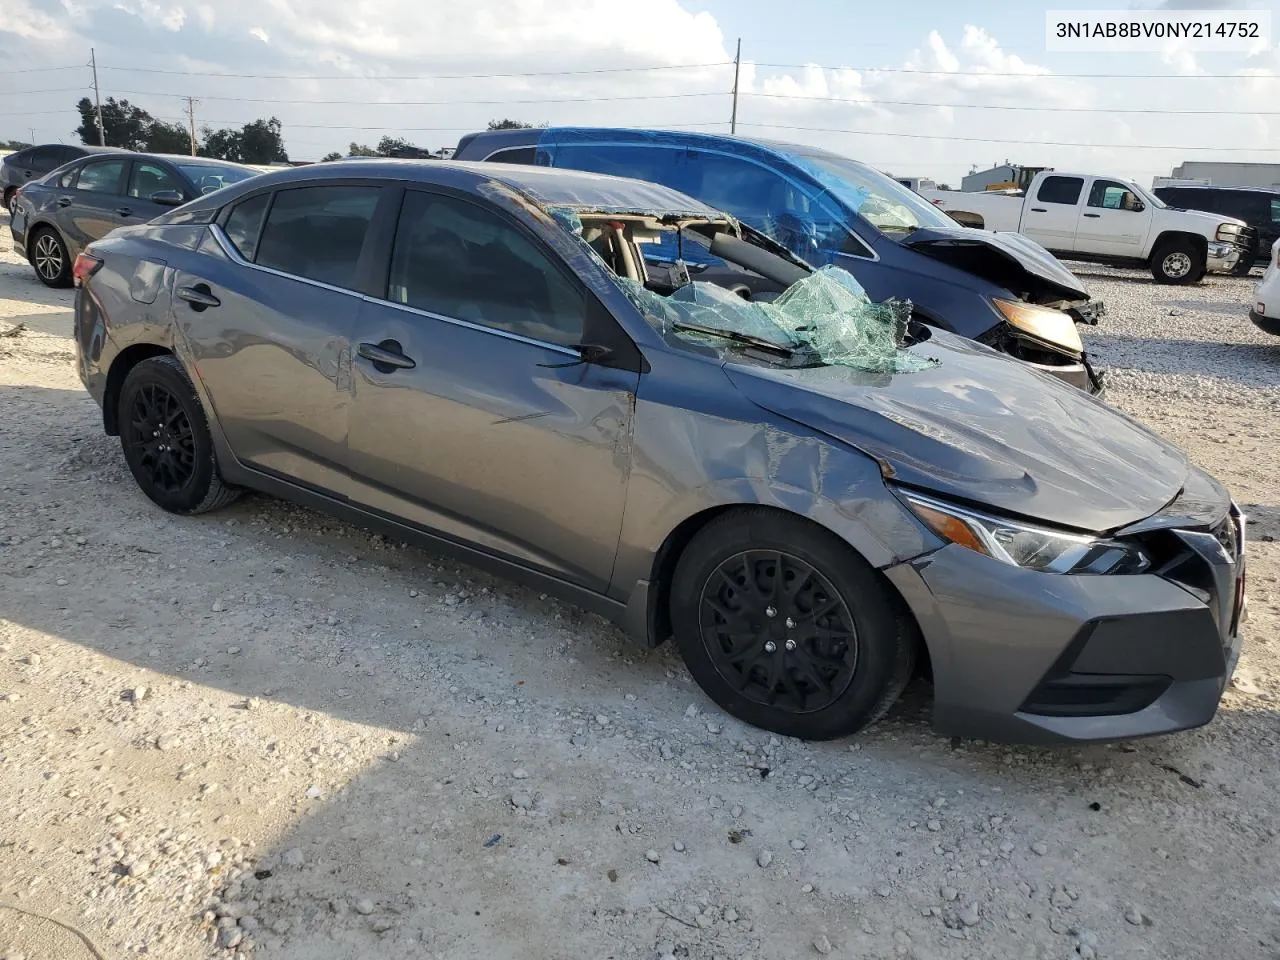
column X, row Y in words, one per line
column 1228, row 174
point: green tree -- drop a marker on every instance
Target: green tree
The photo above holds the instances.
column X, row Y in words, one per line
column 506, row 124
column 257, row 142
column 125, row 125
column 14, row 144
column 361, row 150
column 168, row 138
column 399, row 147
column 335, row 155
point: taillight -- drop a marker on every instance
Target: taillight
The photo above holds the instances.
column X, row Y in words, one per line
column 86, row 266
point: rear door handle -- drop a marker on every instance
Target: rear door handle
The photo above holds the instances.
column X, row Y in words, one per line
column 124, row 212
column 386, row 356
column 1093, row 216
column 1039, row 210
column 64, row 201
column 199, row 296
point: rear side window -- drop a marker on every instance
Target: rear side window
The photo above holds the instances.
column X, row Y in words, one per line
column 44, row 158
column 101, row 176
column 245, row 223
column 460, row 260
column 1060, row 190
column 318, row 232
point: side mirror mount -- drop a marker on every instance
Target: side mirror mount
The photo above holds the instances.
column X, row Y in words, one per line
column 168, row 198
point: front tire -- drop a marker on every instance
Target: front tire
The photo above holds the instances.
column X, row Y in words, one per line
column 166, row 439
column 50, row 258
column 1177, row 261
column 787, row 627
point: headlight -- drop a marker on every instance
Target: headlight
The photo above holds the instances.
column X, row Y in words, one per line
column 1050, row 326
column 1023, row 545
column 1229, row 231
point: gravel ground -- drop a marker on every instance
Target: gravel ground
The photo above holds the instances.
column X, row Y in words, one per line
column 265, row 732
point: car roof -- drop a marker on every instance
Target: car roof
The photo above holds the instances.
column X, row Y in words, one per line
column 1210, row 186
column 546, row 186
column 497, row 139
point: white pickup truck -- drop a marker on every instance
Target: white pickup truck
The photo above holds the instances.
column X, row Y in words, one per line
column 1080, row 216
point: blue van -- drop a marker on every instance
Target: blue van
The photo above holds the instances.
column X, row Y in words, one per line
column 1000, row 289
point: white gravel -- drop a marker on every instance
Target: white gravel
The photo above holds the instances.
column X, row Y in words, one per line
column 409, row 759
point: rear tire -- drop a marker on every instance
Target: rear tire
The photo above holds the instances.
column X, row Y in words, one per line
column 49, row 257
column 166, row 439
column 788, row 628
column 1177, row 261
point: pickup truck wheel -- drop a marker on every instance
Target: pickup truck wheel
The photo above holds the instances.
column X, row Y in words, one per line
column 1177, row 261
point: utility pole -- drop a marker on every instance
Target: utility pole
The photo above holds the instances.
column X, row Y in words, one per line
column 191, row 121
column 737, row 63
column 97, row 100
column 33, row 135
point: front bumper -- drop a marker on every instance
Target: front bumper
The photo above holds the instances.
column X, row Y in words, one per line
column 1222, row 257
column 1022, row 656
column 1264, row 323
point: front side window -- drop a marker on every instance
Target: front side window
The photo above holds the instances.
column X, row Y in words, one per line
column 318, row 232
column 1109, row 195
column 150, row 178
column 1060, row 190
column 1275, row 210
column 460, row 260
column 101, row 176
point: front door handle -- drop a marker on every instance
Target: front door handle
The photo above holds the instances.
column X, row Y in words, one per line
column 64, row 201
column 386, row 356
column 1093, row 216
column 1039, row 210
column 199, row 296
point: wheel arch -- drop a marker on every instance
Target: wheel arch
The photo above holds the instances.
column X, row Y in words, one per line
column 1169, row 236
column 125, row 360
column 656, row 596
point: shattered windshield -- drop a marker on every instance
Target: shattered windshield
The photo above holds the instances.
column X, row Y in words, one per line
column 823, row 317
column 882, row 201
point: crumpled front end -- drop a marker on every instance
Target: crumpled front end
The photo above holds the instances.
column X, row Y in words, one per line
column 1094, row 658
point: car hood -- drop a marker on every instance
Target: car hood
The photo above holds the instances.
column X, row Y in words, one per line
column 1210, row 220
column 1009, row 259
column 983, row 428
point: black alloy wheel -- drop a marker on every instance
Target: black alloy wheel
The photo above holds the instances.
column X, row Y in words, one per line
column 161, row 438
column 778, row 631
column 166, row 438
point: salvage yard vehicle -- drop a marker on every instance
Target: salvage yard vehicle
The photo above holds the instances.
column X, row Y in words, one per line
column 1259, row 207
column 1003, row 291
column 1081, row 216
column 19, row 168
column 813, row 495
column 1266, row 310
column 54, row 217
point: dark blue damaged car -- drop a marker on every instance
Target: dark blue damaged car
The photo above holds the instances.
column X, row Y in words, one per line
column 815, row 495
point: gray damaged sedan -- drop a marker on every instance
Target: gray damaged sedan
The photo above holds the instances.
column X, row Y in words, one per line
column 814, row 495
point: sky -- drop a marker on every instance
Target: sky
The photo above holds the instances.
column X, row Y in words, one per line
column 930, row 88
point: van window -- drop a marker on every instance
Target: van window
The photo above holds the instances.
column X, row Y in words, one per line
column 513, row 155
column 1060, row 190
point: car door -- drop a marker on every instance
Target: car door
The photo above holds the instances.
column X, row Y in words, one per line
column 147, row 178
column 472, row 416
column 92, row 208
column 1115, row 221
column 1051, row 217
column 266, row 307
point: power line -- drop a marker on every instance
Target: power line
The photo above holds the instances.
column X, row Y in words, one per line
column 425, row 76
column 872, row 102
column 1028, row 76
column 436, row 103
column 1041, row 143
column 25, row 93
column 73, row 66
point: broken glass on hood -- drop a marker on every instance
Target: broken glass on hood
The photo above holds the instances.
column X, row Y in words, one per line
column 826, row 313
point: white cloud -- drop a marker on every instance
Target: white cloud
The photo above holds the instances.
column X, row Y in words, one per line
column 932, row 90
